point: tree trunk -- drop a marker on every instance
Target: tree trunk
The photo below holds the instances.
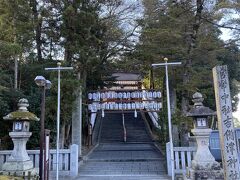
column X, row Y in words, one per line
column 62, row 136
column 173, row 96
column 151, row 79
column 191, row 42
column 15, row 72
column 38, row 28
column 67, row 135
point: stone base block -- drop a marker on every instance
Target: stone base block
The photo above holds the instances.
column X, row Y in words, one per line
column 30, row 172
column 193, row 174
column 17, row 166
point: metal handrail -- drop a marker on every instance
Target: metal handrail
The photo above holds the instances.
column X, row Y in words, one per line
column 124, row 128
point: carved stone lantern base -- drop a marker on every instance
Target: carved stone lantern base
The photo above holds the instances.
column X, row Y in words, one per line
column 19, row 162
column 209, row 173
column 204, row 165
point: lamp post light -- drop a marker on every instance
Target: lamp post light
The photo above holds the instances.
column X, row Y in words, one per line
column 43, row 84
column 166, row 64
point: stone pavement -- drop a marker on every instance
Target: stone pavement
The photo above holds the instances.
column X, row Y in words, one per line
column 118, row 161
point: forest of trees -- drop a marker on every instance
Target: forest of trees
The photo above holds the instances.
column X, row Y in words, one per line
column 98, row 37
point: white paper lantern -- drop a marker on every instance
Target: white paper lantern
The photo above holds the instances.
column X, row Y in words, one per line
column 155, row 106
column 144, row 94
column 120, row 106
column 102, row 95
column 137, row 95
column 90, row 107
column 111, row 106
column 154, row 94
column 116, row 106
column 150, row 105
column 133, row 106
column 159, row 94
column 137, row 105
column 150, row 95
column 103, row 106
column 90, row 96
column 98, row 96
column 94, row 96
column 111, row 95
column 94, row 107
column 120, row 95
column 98, row 106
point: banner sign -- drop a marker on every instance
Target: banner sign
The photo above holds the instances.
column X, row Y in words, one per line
column 125, row 100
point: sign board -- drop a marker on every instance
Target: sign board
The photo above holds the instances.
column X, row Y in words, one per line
column 125, row 100
column 225, row 123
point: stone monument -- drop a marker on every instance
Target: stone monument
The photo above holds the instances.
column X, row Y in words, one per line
column 227, row 135
column 19, row 162
column 203, row 165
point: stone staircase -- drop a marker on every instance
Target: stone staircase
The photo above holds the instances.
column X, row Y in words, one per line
column 136, row 129
column 130, row 161
column 112, row 128
column 113, row 159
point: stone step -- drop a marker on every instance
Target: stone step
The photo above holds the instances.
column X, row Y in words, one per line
column 125, row 160
column 112, row 129
column 122, row 177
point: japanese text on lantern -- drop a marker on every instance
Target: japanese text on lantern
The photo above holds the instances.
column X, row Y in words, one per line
column 225, row 122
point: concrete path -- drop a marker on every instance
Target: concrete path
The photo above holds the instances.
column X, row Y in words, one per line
column 123, row 161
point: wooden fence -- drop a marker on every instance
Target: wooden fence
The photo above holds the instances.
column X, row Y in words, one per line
column 182, row 158
column 68, row 160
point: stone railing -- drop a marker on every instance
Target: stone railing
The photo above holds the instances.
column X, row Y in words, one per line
column 68, row 160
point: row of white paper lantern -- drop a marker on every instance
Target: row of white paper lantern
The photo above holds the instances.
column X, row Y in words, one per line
column 125, row 106
column 123, row 95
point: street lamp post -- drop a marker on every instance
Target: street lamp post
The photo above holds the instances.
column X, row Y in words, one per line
column 44, row 84
column 58, row 69
column 166, row 64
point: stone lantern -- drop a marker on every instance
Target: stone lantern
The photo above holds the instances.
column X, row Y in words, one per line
column 203, row 165
column 19, row 161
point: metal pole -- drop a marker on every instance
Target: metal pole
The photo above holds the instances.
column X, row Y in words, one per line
column 58, row 119
column 80, row 119
column 169, row 110
column 59, row 68
column 169, row 122
column 42, row 134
